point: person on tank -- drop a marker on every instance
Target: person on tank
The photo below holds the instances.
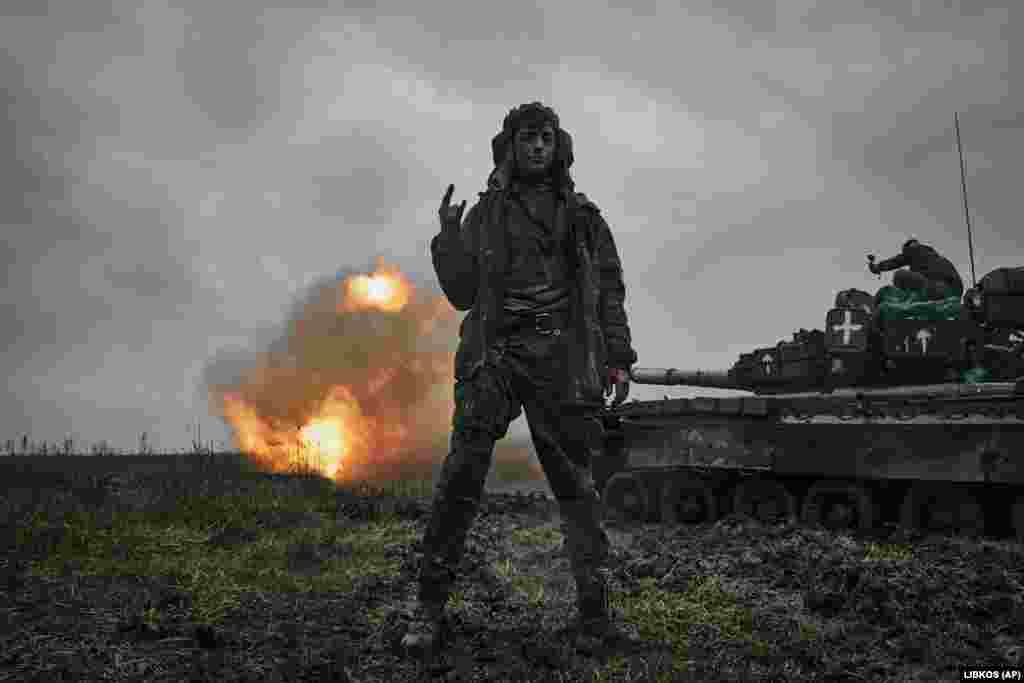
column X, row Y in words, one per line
column 928, row 272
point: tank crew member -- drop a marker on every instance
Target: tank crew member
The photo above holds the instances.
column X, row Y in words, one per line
column 929, row 272
column 535, row 265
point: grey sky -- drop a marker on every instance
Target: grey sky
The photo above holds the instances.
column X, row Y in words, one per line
column 174, row 177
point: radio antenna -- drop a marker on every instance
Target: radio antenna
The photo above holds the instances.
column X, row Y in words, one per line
column 963, row 190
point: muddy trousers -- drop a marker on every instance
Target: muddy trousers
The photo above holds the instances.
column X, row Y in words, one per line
column 521, row 374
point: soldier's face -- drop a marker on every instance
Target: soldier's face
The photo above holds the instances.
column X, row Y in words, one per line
column 535, row 149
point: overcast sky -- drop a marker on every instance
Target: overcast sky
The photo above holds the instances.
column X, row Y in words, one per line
column 172, row 178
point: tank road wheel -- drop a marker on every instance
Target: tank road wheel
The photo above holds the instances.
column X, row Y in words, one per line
column 764, row 500
column 839, row 505
column 686, row 500
column 942, row 508
column 627, row 496
column 1017, row 519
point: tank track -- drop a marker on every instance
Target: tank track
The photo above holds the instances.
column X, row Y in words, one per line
column 940, row 458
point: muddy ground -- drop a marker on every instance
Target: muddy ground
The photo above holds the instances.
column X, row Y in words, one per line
column 723, row 602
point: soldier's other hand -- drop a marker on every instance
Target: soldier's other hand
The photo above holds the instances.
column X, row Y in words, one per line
column 450, row 216
column 617, row 383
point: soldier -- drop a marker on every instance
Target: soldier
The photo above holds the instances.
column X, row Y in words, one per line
column 930, row 273
column 535, row 265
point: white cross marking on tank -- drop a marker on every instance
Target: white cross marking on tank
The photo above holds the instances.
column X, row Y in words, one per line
column 847, row 328
column 923, row 335
column 767, row 360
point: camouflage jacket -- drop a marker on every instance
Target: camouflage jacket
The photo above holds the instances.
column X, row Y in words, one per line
column 470, row 267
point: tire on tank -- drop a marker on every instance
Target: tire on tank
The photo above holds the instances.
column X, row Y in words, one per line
column 617, row 492
column 812, row 510
column 697, row 489
column 749, row 495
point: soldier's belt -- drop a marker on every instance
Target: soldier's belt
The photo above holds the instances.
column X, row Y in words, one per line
column 543, row 324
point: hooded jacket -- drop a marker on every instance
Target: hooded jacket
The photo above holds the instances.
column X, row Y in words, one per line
column 923, row 259
column 470, row 265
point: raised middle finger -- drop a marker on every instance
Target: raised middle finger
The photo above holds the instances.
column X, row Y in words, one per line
column 447, row 198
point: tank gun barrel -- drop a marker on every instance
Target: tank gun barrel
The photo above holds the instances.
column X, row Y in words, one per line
column 716, row 379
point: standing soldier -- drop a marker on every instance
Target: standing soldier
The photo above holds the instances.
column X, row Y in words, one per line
column 546, row 333
column 929, row 273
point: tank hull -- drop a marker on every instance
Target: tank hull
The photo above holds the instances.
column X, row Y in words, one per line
column 883, row 447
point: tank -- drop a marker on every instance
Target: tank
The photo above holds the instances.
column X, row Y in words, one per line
column 907, row 414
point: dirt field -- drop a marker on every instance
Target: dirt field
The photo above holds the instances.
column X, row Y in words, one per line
column 270, row 578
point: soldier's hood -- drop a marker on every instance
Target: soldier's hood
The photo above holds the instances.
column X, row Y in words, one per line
column 502, row 153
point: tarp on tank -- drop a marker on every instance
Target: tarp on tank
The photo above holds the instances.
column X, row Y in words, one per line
column 975, row 376
column 903, row 304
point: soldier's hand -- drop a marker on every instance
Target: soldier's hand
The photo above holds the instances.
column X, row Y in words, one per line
column 617, row 382
column 450, row 216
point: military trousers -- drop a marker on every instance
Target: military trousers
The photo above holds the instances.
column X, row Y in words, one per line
column 521, row 373
column 933, row 290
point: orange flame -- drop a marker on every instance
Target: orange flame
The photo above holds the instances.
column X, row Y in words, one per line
column 354, row 386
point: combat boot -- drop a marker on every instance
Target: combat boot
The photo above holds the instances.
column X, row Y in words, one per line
column 426, row 630
column 599, row 626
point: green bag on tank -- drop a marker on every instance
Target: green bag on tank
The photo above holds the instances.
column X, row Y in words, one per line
column 975, row 376
column 904, row 304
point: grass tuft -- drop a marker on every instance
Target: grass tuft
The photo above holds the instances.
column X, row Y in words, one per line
column 531, row 587
column 540, row 536
column 667, row 616
column 875, row 552
column 807, row 631
column 504, row 568
column 457, row 600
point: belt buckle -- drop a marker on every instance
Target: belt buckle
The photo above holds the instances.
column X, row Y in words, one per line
column 550, row 330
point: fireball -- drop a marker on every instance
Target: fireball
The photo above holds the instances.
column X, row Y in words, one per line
column 360, row 379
